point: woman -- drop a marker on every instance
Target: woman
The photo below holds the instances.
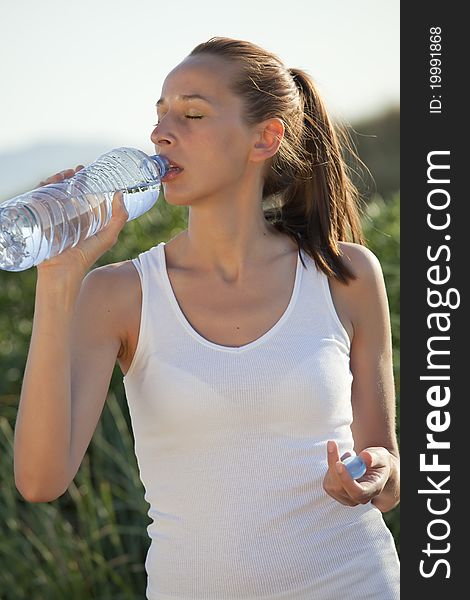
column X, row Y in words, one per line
column 255, row 344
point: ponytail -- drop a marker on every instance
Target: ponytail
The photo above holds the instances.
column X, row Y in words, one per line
column 321, row 205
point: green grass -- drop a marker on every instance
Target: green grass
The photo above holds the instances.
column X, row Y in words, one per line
column 89, row 543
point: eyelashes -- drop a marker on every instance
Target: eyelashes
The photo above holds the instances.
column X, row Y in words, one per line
column 187, row 117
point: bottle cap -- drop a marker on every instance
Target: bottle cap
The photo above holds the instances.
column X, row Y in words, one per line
column 163, row 164
column 355, row 465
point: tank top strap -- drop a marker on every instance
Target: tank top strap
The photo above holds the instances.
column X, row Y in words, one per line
column 316, row 306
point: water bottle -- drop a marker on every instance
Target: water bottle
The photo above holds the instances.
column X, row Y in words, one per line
column 42, row 223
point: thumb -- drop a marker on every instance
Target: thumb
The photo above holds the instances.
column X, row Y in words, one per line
column 372, row 457
column 119, row 213
column 119, row 217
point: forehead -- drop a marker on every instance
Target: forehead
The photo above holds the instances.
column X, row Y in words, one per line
column 206, row 75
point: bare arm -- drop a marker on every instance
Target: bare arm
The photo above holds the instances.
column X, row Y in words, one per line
column 73, row 349
column 373, row 391
column 43, row 425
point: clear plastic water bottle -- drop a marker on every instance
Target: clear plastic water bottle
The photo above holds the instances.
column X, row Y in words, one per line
column 42, row 223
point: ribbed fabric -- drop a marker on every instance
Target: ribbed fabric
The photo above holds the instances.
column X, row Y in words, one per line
column 231, row 448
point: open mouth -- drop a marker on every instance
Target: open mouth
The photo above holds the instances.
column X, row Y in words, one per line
column 173, row 171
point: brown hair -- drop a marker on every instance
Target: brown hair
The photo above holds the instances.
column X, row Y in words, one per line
column 308, row 193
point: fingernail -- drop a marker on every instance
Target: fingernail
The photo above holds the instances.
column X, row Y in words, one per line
column 339, row 467
column 330, row 447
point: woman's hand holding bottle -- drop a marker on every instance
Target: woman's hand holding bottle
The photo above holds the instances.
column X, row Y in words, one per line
column 80, row 258
column 339, row 484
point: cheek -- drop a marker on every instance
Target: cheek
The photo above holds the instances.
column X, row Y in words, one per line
column 235, row 143
column 221, row 152
column 231, row 134
column 221, row 148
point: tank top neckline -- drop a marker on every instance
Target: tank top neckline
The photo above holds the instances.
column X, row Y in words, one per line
column 235, row 349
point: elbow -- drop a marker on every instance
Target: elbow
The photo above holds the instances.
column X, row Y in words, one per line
column 36, row 485
column 36, row 498
column 36, row 494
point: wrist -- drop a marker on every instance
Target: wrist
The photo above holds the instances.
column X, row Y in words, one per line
column 58, row 288
column 389, row 497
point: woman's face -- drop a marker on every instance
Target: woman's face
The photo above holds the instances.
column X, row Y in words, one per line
column 200, row 128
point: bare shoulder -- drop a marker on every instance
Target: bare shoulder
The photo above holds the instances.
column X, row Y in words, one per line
column 118, row 279
column 364, row 299
column 354, row 300
column 120, row 285
column 361, row 260
column 118, row 272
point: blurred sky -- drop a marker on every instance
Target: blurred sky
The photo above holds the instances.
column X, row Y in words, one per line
column 92, row 70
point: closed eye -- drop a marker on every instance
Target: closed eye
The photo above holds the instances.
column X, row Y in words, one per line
column 187, row 117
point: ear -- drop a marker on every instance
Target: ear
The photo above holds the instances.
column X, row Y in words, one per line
column 268, row 137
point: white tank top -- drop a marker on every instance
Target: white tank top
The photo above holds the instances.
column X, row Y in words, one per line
column 231, row 449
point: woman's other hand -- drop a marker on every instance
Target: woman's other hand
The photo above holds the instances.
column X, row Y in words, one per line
column 339, row 484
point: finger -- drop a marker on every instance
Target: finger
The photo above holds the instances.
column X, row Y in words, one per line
column 58, row 177
column 52, row 179
column 369, row 458
column 354, row 490
column 79, row 168
column 334, row 446
column 118, row 209
column 332, row 454
column 119, row 217
column 106, row 238
column 65, row 174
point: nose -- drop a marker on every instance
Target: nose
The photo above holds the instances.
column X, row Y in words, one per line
column 160, row 136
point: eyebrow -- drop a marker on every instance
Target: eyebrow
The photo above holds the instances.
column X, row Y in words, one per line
column 186, row 98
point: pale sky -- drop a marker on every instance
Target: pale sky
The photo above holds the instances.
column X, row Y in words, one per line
column 92, row 70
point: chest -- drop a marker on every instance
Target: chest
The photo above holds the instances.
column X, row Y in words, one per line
column 227, row 314
column 232, row 314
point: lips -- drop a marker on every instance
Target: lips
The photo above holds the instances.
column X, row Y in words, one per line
column 174, row 170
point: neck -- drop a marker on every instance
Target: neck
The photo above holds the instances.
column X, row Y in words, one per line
column 231, row 237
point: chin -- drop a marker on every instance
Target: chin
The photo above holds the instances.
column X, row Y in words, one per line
column 176, row 200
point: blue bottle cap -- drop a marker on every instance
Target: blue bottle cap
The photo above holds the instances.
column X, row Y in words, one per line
column 355, row 465
column 162, row 163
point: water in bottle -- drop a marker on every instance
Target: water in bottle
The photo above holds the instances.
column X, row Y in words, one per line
column 44, row 222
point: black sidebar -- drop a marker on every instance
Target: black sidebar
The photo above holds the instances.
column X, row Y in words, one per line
column 435, row 331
